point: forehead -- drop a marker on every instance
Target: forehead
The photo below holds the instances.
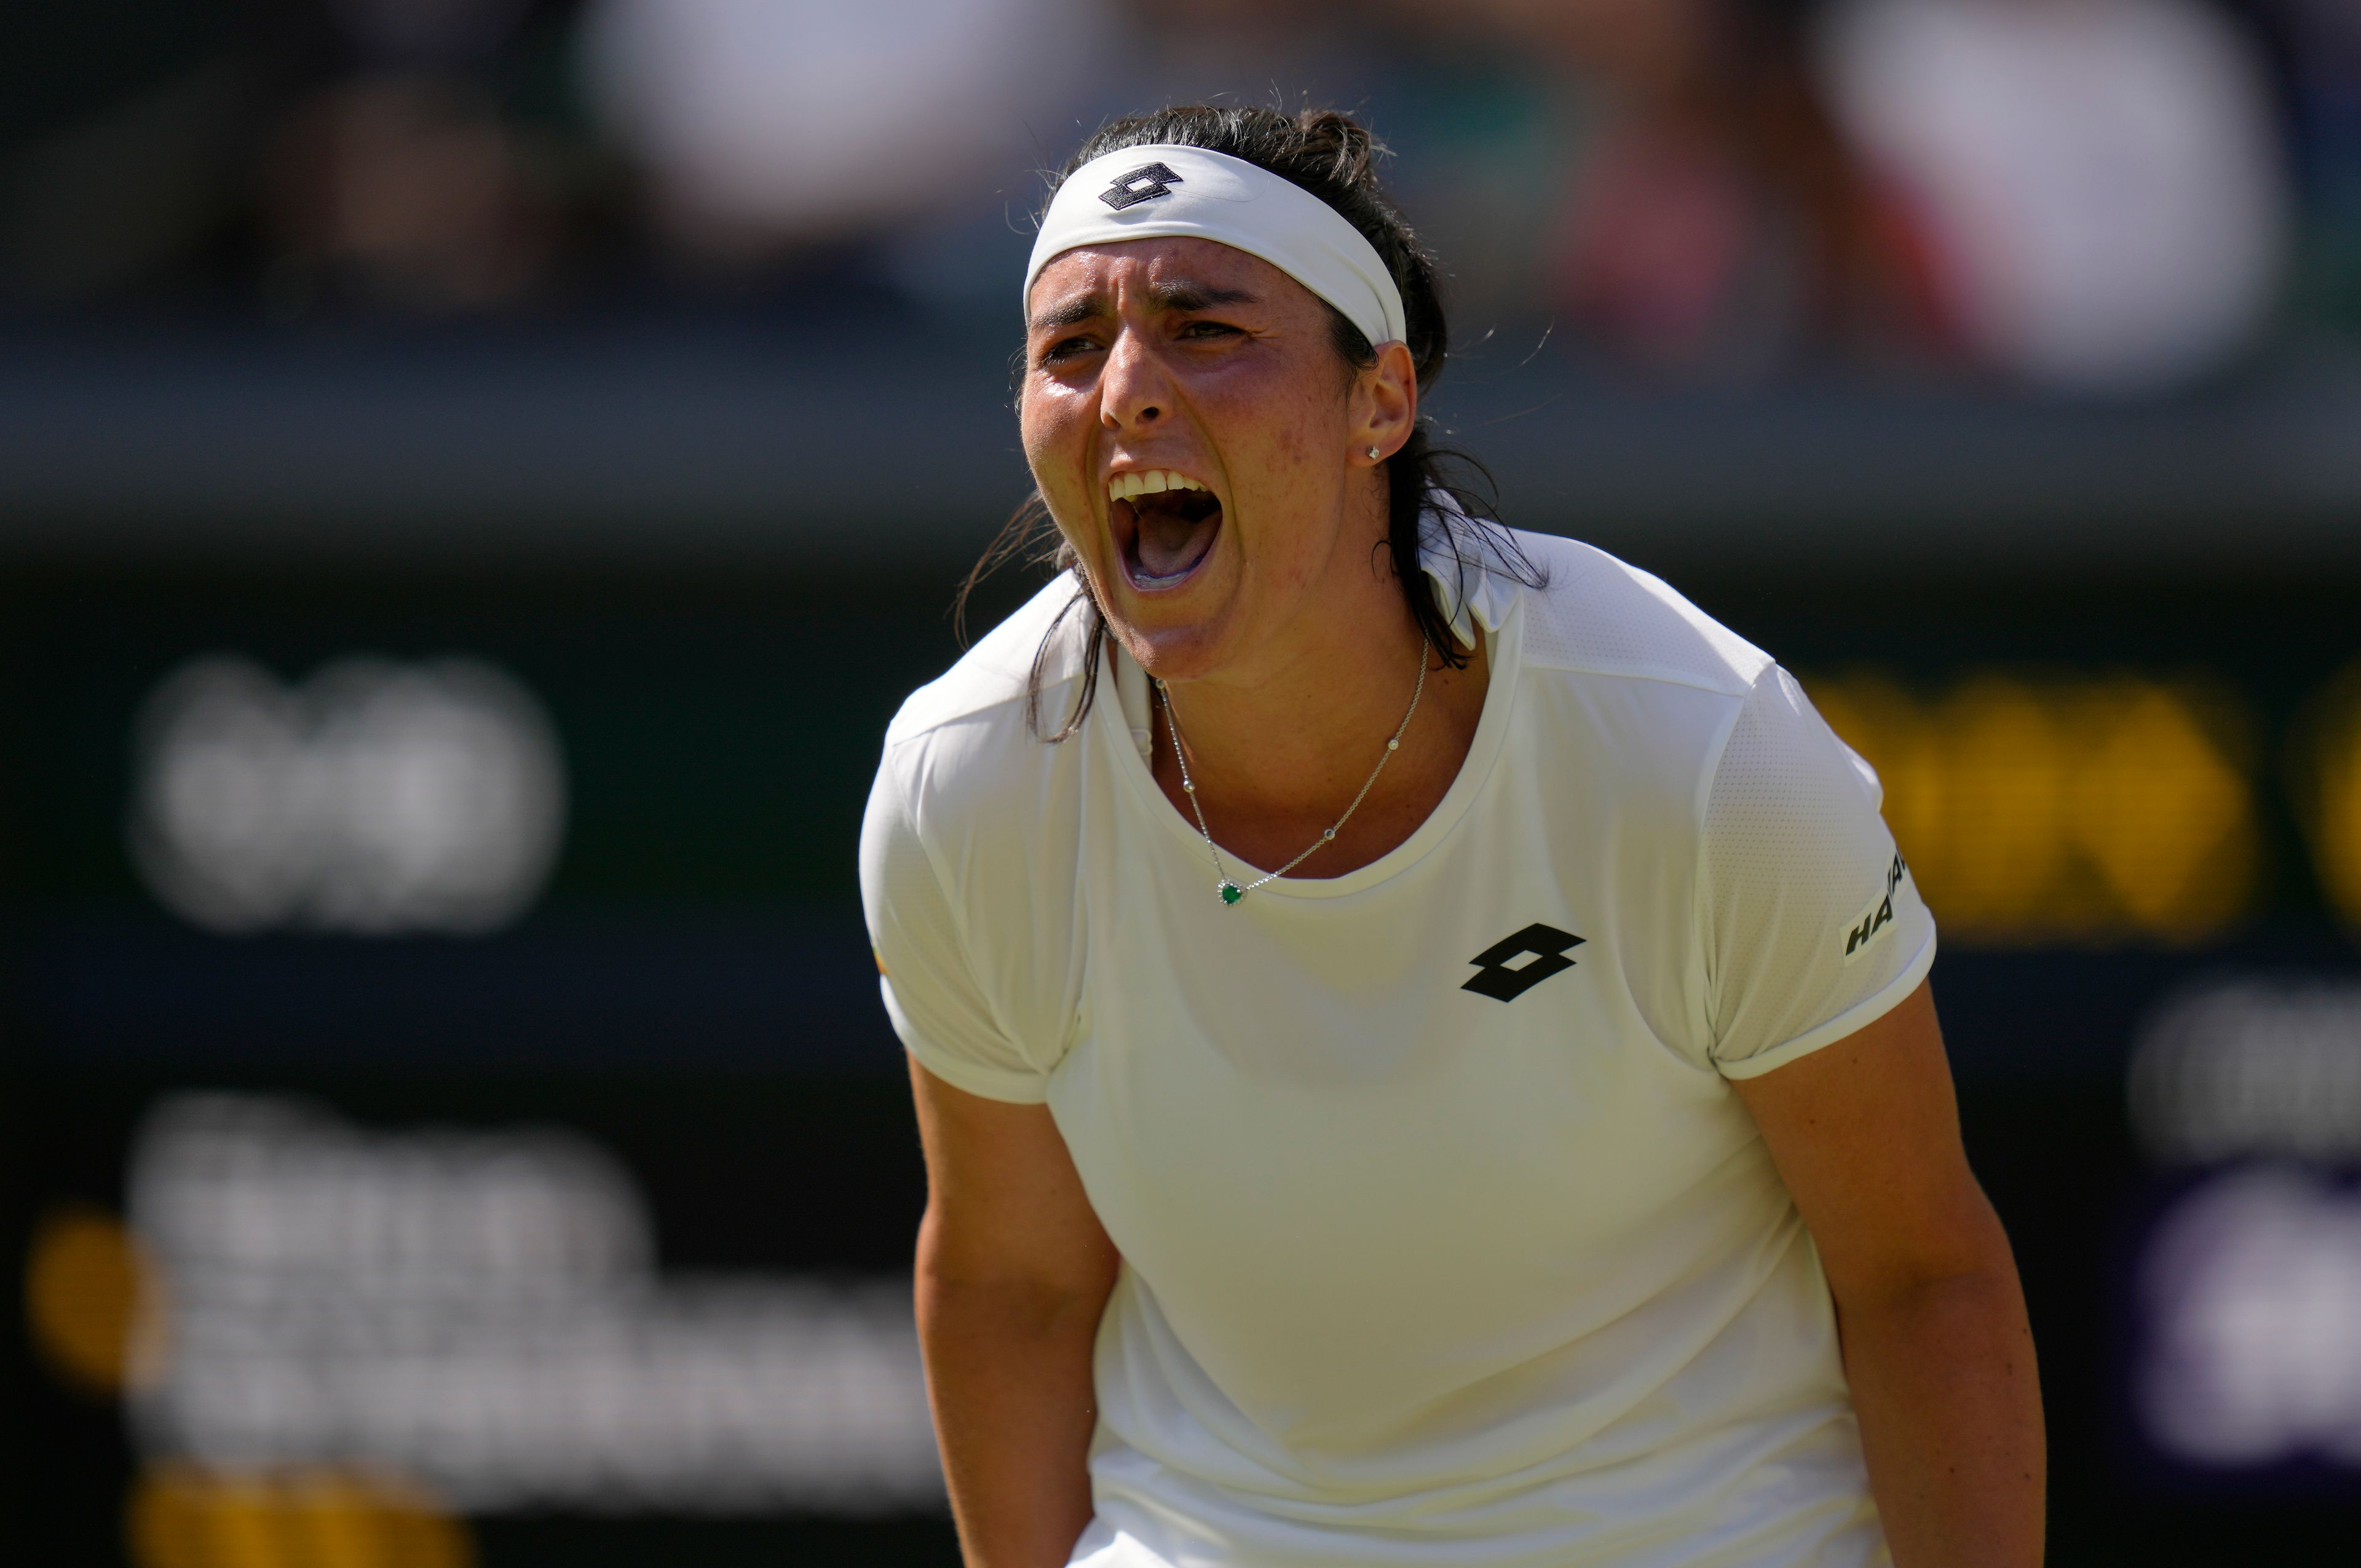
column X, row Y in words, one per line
column 1140, row 271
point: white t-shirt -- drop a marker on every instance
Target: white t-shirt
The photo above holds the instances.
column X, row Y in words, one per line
column 1445, row 1238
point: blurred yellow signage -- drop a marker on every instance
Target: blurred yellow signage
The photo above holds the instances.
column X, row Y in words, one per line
column 2325, row 769
column 2075, row 809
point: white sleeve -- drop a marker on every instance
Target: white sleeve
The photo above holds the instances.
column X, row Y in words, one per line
column 1814, row 925
column 937, row 1008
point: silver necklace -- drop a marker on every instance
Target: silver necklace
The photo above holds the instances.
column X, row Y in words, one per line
column 1229, row 890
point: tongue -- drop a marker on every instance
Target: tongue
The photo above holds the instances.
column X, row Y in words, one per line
column 1170, row 543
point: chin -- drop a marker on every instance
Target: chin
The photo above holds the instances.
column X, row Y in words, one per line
column 1173, row 650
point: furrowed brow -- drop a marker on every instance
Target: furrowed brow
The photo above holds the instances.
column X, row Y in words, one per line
column 1182, row 295
column 1179, row 295
column 1069, row 313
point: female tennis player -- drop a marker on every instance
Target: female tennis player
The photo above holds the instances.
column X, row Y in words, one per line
column 1421, row 1037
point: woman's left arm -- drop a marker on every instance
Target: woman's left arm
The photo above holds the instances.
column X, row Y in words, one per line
column 1866, row 1134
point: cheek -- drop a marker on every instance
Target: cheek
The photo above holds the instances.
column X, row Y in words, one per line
column 1039, row 425
column 1294, row 444
column 1287, row 418
column 1289, row 447
column 1055, row 439
column 1292, row 447
column 1049, row 445
column 1054, row 429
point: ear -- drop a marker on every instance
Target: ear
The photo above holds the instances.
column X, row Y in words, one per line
column 1385, row 405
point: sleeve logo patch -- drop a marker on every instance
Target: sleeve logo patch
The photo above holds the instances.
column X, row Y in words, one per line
column 1873, row 920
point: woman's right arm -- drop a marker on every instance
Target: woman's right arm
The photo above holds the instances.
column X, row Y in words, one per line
column 1014, row 1271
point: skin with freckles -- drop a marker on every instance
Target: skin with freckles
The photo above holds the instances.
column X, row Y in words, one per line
column 1287, row 647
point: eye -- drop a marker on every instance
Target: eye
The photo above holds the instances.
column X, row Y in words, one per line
column 1065, row 348
column 1208, row 329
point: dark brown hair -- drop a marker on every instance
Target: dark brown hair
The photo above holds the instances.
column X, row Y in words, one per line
column 1332, row 155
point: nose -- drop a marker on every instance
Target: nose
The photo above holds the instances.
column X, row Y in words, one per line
column 1134, row 392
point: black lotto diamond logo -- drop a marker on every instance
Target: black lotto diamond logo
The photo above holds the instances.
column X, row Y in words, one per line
column 1144, row 183
column 1548, row 947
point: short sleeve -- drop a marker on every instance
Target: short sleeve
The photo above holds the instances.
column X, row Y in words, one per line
column 940, row 1013
column 1814, row 925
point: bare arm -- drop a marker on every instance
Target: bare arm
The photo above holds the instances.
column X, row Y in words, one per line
column 1012, row 1272
column 1936, row 1344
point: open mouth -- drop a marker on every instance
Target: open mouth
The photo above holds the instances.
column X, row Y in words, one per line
column 1165, row 524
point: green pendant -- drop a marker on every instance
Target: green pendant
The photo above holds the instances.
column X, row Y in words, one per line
column 1232, row 892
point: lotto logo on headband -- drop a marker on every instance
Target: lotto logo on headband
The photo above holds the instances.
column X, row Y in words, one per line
column 1229, row 202
column 1144, row 183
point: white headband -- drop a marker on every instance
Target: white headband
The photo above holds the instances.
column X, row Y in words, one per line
column 1146, row 193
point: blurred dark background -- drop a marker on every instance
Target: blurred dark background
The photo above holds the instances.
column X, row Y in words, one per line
column 476, row 475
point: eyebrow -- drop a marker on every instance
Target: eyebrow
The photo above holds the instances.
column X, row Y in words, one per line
column 1180, row 295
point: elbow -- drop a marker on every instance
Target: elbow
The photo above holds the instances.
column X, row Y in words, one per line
column 1956, row 1286
column 961, row 1289
column 1980, row 1290
column 1006, row 1311
column 1966, row 1263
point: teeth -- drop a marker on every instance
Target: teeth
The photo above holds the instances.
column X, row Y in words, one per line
column 1148, row 482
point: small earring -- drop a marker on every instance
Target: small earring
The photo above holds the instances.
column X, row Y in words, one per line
column 1375, row 455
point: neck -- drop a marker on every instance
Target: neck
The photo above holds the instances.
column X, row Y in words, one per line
column 1285, row 733
column 1277, row 751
